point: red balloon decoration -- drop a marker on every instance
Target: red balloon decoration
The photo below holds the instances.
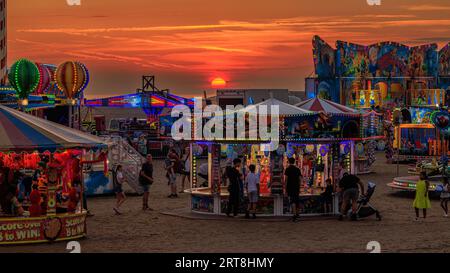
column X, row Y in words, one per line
column 44, row 79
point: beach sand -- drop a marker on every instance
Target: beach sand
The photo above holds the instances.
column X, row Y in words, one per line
column 144, row 231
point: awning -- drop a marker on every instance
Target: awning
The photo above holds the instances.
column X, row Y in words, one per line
column 23, row 132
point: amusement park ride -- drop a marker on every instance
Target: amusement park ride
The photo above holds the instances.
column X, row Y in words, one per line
column 149, row 98
column 152, row 100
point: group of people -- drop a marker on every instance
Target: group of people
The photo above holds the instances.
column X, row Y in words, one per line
column 25, row 193
column 349, row 187
column 236, row 187
column 175, row 165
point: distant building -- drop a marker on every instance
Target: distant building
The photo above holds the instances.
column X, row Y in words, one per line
column 3, row 43
column 226, row 97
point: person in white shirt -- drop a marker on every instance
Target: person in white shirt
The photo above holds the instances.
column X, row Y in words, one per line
column 252, row 186
column 118, row 180
column 203, row 171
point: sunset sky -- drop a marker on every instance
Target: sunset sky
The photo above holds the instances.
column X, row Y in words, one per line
column 188, row 43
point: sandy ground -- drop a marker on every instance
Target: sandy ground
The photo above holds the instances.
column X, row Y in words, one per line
column 138, row 231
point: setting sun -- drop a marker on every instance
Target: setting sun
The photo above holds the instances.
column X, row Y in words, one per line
column 218, row 82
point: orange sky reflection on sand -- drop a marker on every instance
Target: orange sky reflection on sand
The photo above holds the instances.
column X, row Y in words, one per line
column 186, row 43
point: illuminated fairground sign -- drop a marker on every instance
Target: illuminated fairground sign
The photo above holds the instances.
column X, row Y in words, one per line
column 42, row 229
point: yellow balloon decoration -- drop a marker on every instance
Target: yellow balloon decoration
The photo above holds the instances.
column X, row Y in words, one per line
column 72, row 78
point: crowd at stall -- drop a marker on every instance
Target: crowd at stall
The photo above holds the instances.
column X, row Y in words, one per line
column 25, row 180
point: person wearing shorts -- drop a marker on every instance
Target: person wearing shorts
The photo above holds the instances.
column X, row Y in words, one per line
column 146, row 179
column 186, row 173
column 349, row 186
column 292, row 177
column 252, row 186
column 170, row 162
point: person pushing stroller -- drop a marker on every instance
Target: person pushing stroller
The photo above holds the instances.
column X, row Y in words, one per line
column 349, row 185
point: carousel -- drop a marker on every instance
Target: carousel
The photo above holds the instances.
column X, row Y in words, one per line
column 41, row 178
column 364, row 150
column 323, row 145
column 416, row 137
column 431, row 156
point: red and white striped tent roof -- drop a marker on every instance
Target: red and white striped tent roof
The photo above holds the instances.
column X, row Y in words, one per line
column 321, row 105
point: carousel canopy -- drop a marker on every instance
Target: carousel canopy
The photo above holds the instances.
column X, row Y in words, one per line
column 321, row 105
column 285, row 108
column 23, row 132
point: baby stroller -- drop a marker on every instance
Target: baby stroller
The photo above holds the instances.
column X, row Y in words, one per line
column 365, row 209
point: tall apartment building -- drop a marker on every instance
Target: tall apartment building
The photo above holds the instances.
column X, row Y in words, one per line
column 3, row 42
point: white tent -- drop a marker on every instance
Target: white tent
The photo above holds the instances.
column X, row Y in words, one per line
column 285, row 109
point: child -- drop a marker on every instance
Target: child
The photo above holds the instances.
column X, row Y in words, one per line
column 327, row 196
column 445, row 196
column 422, row 200
column 35, row 199
column 252, row 185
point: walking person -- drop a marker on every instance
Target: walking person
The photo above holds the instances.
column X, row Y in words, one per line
column 422, row 200
column 445, row 196
column 119, row 179
column 292, row 177
column 350, row 193
column 170, row 163
column 186, row 170
column 146, row 180
column 252, row 186
column 235, row 178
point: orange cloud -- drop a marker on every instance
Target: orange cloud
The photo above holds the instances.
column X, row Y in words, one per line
column 254, row 48
column 427, row 8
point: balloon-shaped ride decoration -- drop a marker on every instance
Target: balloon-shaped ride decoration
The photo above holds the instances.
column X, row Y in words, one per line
column 24, row 78
column 44, row 79
column 441, row 119
column 72, row 78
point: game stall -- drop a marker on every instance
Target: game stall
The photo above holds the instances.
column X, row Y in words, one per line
column 321, row 143
column 364, row 150
column 41, row 178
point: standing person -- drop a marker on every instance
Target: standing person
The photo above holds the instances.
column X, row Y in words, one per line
column 422, row 200
column 252, row 186
column 146, row 180
column 186, row 169
column 292, row 177
column 235, row 178
column 119, row 179
column 203, row 172
column 445, row 196
column 170, row 163
column 142, row 145
column 349, row 186
column 327, row 196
